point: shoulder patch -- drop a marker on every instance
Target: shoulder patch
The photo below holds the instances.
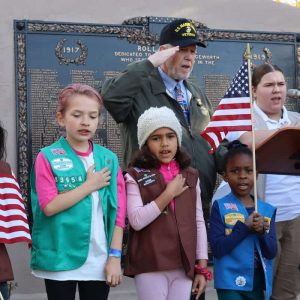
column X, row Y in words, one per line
column 232, row 206
column 56, row 151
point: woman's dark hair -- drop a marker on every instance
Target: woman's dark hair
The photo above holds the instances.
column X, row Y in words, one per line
column 262, row 70
column 2, row 142
column 234, row 148
column 144, row 159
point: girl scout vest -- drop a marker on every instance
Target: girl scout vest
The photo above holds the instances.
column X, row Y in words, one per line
column 237, row 268
column 61, row 242
column 169, row 242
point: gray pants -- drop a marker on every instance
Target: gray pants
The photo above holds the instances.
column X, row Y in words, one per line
column 286, row 281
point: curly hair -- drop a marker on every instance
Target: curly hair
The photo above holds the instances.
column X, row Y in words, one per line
column 144, row 159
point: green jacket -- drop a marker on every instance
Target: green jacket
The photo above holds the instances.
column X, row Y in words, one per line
column 61, row 242
column 140, row 87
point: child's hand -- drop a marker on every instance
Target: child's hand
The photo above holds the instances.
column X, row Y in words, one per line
column 199, row 285
column 177, row 186
column 258, row 223
column 255, row 222
column 97, row 180
column 113, row 271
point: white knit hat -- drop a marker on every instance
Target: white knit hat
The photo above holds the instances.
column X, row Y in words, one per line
column 155, row 118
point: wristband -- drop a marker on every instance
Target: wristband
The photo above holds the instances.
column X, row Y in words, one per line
column 115, row 253
column 204, row 271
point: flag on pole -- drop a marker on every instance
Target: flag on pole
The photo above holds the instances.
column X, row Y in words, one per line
column 233, row 112
column 13, row 219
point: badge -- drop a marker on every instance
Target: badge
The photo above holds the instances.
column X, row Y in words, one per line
column 240, row 281
column 231, row 206
column 204, row 110
column 199, row 102
column 232, row 218
column 58, row 151
column 62, row 164
column 147, row 179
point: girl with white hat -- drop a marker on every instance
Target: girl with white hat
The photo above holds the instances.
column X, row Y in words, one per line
column 167, row 244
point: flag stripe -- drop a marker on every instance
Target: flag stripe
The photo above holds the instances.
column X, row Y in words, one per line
column 231, row 123
column 234, row 100
column 13, row 218
column 228, row 112
column 13, row 229
column 233, row 106
column 228, row 129
column 231, row 117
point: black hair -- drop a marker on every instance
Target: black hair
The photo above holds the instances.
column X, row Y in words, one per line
column 144, row 159
column 2, row 142
column 235, row 148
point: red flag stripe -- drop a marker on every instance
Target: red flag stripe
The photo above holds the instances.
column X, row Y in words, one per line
column 233, row 106
column 228, row 128
column 14, row 229
column 13, row 218
column 12, row 206
column 230, row 117
column 8, row 197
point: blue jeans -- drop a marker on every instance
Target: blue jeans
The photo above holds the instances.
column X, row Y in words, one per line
column 4, row 290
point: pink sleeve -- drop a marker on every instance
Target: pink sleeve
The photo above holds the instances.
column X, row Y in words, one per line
column 139, row 215
column 201, row 251
column 45, row 183
column 121, row 212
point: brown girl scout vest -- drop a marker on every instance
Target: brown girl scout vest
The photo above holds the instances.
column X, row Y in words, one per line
column 169, row 242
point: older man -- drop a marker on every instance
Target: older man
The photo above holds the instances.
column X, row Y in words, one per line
column 164, row 80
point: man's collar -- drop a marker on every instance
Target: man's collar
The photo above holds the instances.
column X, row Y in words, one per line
column 169, row 82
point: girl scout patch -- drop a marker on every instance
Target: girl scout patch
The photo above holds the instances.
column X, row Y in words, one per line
column 240, row 281
column 232, row 218
column 147, row 179
column 62, row 164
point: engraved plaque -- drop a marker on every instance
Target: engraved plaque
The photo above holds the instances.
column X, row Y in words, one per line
column 50, row 55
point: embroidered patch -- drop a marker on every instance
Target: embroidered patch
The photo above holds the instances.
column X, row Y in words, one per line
column 62, row 164
column 232, row 206
column 138, row 170
column 240, row 281
column 147, row 179
column 58, row 151
column 232, row 218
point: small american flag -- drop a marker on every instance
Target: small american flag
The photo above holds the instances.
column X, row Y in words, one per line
column 13, row 219
column 233, row 112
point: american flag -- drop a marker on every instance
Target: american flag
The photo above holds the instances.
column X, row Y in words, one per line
column 13, row 219
column 233, row 112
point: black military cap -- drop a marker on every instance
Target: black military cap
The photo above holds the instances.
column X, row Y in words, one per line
column 180, row 32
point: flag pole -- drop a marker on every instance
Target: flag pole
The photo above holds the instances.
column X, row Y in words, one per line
column 248, row 58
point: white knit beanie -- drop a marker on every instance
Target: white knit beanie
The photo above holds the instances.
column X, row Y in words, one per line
column 155, row 118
